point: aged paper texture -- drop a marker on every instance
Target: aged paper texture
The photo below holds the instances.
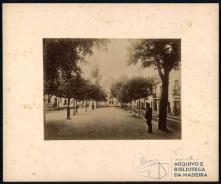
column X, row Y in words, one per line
column 35, row 150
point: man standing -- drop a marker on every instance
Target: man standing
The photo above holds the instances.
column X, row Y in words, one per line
column 148, row 117
column 92, row 105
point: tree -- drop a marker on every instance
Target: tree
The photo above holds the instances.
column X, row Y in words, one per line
column 77, row 84
column 61, row 58
column 92, row 92
column 163, row 55
column 98, row 93
column 132, row 89
column 140, row 87
column 67, row 89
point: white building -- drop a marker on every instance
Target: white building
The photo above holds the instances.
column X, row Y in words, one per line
column 56, row 102
column 60, row 102
column 174, row 99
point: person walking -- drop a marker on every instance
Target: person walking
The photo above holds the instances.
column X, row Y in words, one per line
column 148, row 117
column 93, row 106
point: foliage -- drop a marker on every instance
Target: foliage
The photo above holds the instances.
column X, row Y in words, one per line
column 98, row 93
column 162, row 54
column 132, row 89
column 82, row 89
column 61, row 57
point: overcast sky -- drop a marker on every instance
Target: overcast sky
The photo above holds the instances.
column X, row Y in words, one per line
column 113, row 63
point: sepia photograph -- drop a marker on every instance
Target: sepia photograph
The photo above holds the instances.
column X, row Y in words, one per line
column 112, row 89
column 110, row 92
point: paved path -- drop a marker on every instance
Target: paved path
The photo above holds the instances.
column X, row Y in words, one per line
column 102, row 123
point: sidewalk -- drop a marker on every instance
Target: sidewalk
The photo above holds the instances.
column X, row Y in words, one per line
column 173, row 121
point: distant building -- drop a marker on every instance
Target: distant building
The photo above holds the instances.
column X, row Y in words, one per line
column 56, row 102
column 112, row 101
column 60, row 102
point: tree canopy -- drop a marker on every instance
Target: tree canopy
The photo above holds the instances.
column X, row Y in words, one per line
column 132, row 89
column 162, row 54
column 61, row 57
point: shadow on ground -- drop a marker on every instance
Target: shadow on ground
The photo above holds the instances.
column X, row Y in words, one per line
column 102, row 124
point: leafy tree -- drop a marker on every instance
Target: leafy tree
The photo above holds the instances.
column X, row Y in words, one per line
column 77, row 85
column 124, row 93
column 139, row 87
column 61, row 58
column 162, row 54
column 132, row 89
column 68, row 89
column 92, row 92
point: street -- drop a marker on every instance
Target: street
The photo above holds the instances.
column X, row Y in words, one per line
column 110, row 123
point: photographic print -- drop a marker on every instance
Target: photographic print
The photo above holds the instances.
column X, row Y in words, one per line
column 110, row 92
column 112, row 88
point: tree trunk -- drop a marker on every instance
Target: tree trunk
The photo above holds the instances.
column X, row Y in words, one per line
column 162, row 124
column 58, row 103
column 139, row 108
column 68, row 109
column 131, row 107
column 74, row 107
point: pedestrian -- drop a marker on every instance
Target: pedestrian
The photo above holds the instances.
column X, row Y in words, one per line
column 77, row 108
column 92, row 106
column 148, row 117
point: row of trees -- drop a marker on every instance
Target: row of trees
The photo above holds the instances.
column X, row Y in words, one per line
column 163, row 55
column 62, row 74
column 80, row 89
column 132, row 89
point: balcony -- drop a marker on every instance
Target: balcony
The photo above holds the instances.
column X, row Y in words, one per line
column 156, row 95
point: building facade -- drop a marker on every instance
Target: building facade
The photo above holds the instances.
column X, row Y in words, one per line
column 55, row 102
column 174, row 95
column 60, row 102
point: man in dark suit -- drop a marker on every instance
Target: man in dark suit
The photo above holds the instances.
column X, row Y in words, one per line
column 148, row 117
column 92, row 105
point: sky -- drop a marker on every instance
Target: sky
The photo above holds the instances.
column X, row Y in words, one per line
column 113, row 65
